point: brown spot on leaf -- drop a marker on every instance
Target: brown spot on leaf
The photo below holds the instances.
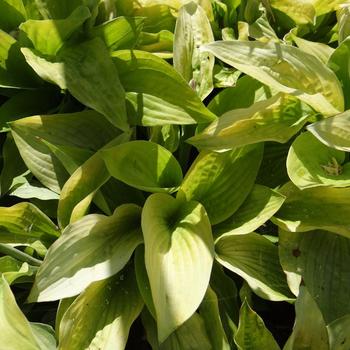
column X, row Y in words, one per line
column 296, row 252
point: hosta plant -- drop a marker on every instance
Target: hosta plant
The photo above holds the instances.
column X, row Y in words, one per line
column 174, row 174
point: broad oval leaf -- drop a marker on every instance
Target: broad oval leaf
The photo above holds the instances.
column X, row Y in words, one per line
column 179, row 252
column 324, row 208
column 38, row 31
column 86, row 130
column 309, row 331
column 313, row 256
column 89, row 74
column 222, row 181
column 93, row 248
column 25, row 223
column 275, row 119
column 16, row 331
column 338, row 332
column 191, row 31
column 255, row 259
column 144, row 165
column 312, row 164
column 252, row 333
column 286, row 69
column 333, row 132
column 259, row 206
column 101, row 317
column 144, row 73
column 300, row 11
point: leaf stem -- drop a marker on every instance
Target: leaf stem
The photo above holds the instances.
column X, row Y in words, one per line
column 18, row 254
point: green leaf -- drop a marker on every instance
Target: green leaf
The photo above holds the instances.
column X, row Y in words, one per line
column 28, row 190
column 243, row 95
column 333, row 132
column 167, row 136
column 322, row 51
column 286, row 69
column 222, row 181
column 309, row 331
column 259, row 206
column 100, row 318
column 144, row 165
column 255, row 259
column 178, row 255
column 142, row 280
column 119, row 33
column 161, row 43
column 193, row 30
column 44, row 335
column 312, row 164
column 59, row 10
column 27, row 103
column 324, row 6
column 59, row 31
column 80, row 189
column 323, row 208
column 104, row 244
column 12, row 13
column 339, row 62
column 338, row 332
column 14, row 71
column 25, row 223
column 144, row 73
column 13, row 165
column 252, row 333
column 209, row 311
column 300, row 11
column 15, row 271
column 321, row 259
column 343, row 16
column 275, row 119
column 16, row 331
column 86, row 130
column 89, row 74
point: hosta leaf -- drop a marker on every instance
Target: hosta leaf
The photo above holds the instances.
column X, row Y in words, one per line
column 309, row 331
column 252, row 333
column 144, row 165
column 333, row 132
column 343, row 16
column 142, row 280
column 104, row 245
column 191, row 335
column 145, row 73
column 89, row 74
column 161, row 43
column 13, row 165
column 193, row 30
column 86, row 129
column 59, row 10
column 14, row 71
column 260, row 205
column 25, row 223
column 148, row 110
column 227, row 298
column 311, row 164
column 44, row 335
column 322, row 51
column 59, row 31
column 16, row 331
column 79, row 190
column 209, row 311
column 222, row 181
column 323, row 208
column 313, row 256
column 255, row 259
column 286, row 69
column 243, row 95
column 27, row 103
column 100, row 318
column 275, row 119
column 12, row 13
column 15, row 271
column 119, row 33
column 28, row 190
column 300, row 11
column 325, row 6
column 178, row 256
column 167, row 136
column 338, row 332
column 339, row 62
